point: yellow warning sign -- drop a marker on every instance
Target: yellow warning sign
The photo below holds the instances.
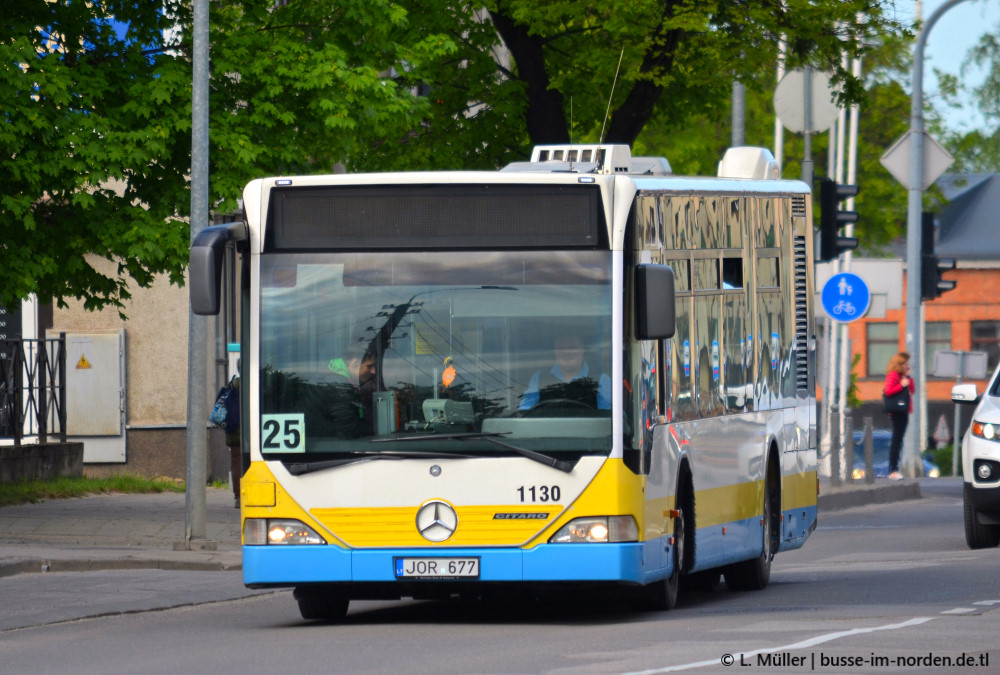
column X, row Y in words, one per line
column 82, row 363
column 430, row 342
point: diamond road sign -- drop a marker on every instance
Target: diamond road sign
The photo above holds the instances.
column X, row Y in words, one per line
column 897, row 160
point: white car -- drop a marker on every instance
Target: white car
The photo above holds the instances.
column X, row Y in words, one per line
column 981, row 463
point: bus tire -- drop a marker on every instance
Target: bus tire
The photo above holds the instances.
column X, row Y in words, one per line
column 662, row 595
column 319, row 605
column 977, row 535
column 754, row 574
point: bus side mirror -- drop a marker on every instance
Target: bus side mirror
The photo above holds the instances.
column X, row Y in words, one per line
column 205, row 266
column 655, row 305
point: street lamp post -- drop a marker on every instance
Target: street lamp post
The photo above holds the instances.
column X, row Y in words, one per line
column 911, row 454
column 197, row 409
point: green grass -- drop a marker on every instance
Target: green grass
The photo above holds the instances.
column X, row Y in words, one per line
column 31, row 491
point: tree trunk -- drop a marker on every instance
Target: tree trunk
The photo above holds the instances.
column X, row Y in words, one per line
column 544, row 117
column 631, row 116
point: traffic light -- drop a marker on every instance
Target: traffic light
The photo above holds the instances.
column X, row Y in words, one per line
column 932, row 267
column 831, row 244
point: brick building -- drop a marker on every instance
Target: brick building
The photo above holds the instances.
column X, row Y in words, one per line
column 964, row 319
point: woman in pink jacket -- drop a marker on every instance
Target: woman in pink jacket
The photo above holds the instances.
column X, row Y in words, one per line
column 897, row 378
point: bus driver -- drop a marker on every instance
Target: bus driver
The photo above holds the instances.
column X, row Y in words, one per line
column 568, row 379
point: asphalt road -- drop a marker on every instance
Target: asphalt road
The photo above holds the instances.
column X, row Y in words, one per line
column 886, row 588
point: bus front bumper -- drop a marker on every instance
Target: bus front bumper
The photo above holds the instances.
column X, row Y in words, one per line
column 292, row 565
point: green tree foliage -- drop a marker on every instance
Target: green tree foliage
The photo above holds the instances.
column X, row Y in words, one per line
column 884, row 117
column 96, row 99
column 76, row 156
column 978, row 150
column 301, row 87
column 96, row 142
column 585, row 71
column 695, row 145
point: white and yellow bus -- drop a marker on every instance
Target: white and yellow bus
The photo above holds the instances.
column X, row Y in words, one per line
column 578, row 371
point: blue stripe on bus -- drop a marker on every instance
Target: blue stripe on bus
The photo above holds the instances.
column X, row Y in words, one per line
column 743, row 538
column 549, row 562
column 798, row 524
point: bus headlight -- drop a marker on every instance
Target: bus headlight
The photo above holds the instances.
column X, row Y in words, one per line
column 266, row 531
column 601, row 529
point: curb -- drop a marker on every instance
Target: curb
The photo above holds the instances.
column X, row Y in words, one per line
column 849, row 496
column 40, row 565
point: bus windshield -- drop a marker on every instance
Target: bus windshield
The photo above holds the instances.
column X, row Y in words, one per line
column 403, row 354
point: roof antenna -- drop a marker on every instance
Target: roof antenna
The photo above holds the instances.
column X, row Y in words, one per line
column 613, row 84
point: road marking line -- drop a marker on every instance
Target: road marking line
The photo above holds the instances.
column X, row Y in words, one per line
column 959, row 610
column 805, row 644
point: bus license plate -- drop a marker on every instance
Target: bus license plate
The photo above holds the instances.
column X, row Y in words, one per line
column 437, row 568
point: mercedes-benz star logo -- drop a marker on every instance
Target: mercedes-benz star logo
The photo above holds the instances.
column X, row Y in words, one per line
column 436, row 521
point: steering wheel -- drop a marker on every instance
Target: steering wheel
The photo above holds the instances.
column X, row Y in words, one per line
column 569, row 404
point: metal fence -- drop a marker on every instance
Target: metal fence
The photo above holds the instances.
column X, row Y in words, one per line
column 33, row 389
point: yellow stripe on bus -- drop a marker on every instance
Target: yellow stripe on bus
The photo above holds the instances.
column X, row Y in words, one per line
column 732, row 503
column 614, row 491
column 798, row 490
column 397, row 526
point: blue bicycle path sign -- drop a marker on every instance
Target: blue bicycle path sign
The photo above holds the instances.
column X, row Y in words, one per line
column 846, row 297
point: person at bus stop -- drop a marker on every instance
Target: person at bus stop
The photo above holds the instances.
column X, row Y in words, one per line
column 898, row 379
column 230, row 397
column 349, row 401
column 568, row 379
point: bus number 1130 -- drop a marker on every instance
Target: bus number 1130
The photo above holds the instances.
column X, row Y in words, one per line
column 540, row 493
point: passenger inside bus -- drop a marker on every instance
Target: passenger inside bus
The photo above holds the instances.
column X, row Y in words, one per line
column 349, row 396
column 569, row 383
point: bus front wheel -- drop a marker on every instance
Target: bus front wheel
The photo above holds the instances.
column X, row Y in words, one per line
column 320, row 605
column 662, row 595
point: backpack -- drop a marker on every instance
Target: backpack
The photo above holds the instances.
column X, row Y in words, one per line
column 226, row 411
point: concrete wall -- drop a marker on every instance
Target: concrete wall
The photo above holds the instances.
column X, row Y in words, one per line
column 156, row 348
column 40, row 461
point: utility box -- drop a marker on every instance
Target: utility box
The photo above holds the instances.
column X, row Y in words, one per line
column 95, row 394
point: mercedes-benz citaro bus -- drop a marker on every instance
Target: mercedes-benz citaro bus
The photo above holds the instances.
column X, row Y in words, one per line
column 577, row 372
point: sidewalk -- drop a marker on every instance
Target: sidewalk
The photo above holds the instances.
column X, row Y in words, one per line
column 858, row 493
column 123, row 532
column 119, row 531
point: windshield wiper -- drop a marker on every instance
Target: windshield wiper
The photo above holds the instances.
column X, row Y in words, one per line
column 300, row 468
column 490, row 437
